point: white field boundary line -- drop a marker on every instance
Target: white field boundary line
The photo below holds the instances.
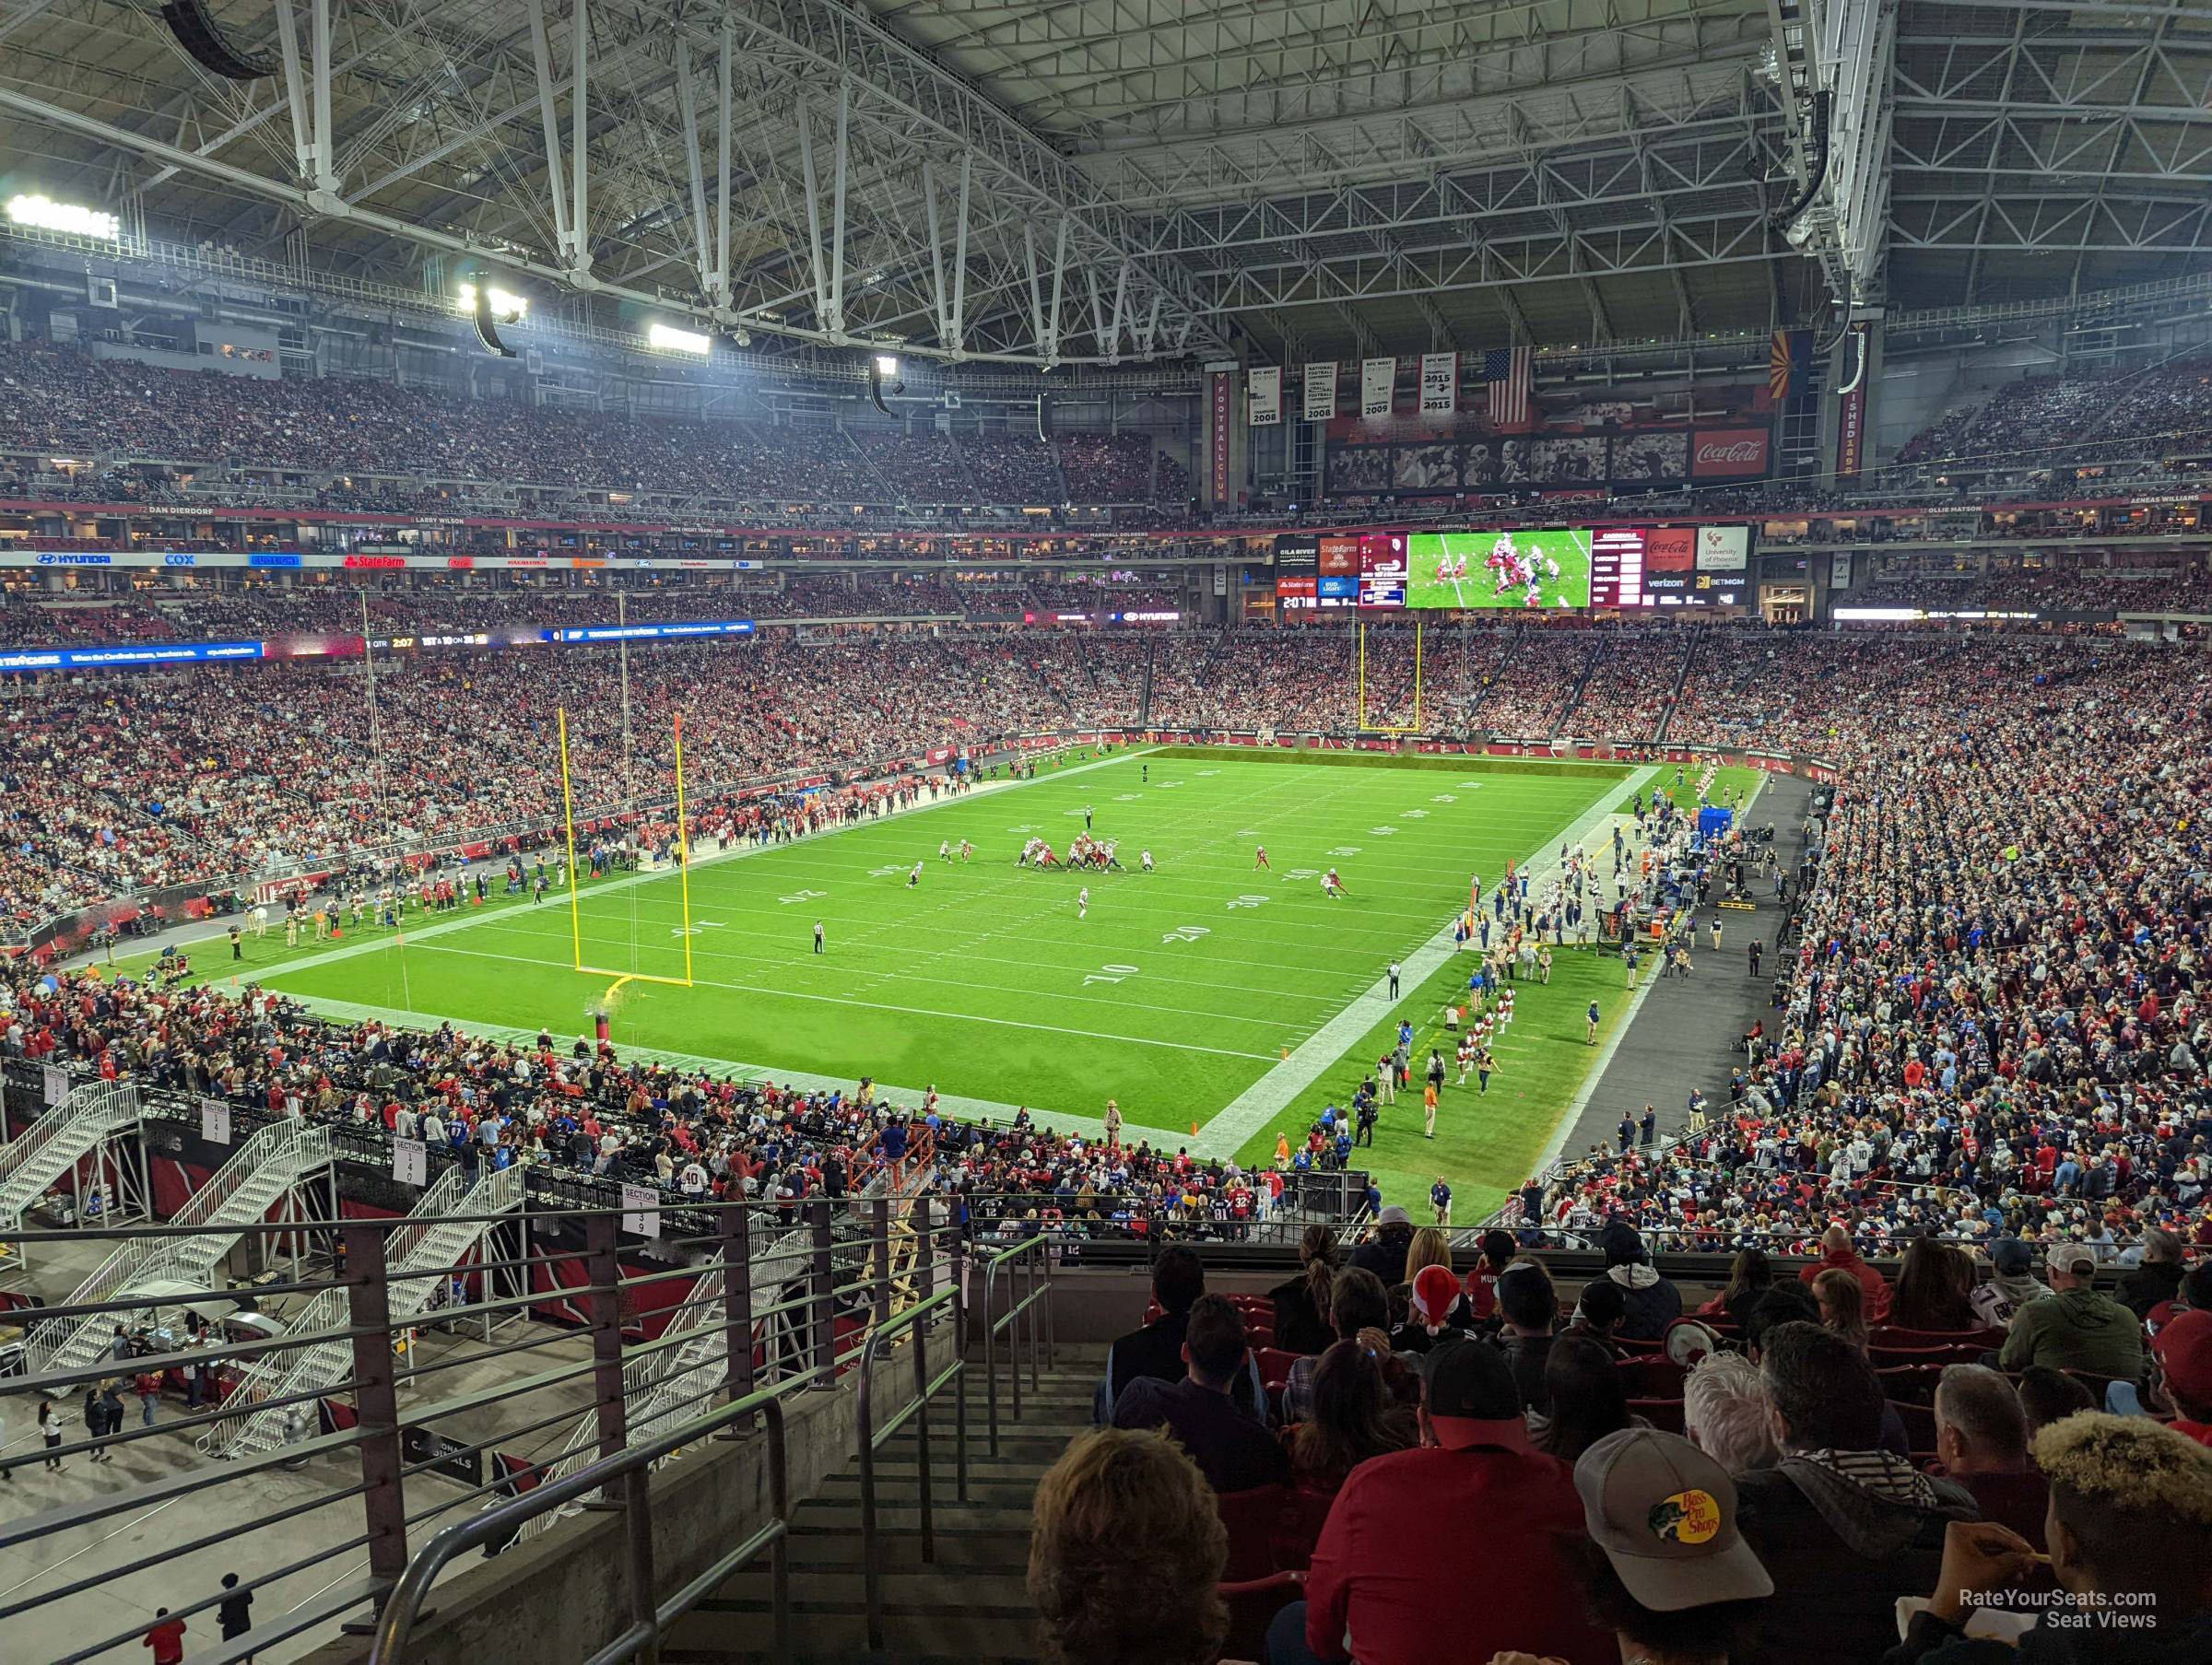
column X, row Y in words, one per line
column 952, row 1104
column 1572, row 1117
column 738, row 853
column 1261, row 1103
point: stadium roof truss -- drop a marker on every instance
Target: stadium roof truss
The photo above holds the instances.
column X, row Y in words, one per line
column 1097, row 181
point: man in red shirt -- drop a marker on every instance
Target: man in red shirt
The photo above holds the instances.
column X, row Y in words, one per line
column 1838, row 1255
column 166, row 1639
column 1475, row 1507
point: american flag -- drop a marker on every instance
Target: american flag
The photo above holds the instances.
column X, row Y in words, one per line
column 1508, row 372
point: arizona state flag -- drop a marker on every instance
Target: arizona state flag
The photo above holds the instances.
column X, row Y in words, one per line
column 1789, row 356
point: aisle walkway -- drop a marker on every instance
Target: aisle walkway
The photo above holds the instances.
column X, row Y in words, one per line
column 1684, row 1034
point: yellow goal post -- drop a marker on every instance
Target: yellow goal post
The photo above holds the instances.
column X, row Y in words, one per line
column 1414, row 727
column 683, row 859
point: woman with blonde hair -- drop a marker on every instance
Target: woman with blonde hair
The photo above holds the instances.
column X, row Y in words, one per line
column 1843, row 1305
column 1126, row 1550
column 1431, row 1247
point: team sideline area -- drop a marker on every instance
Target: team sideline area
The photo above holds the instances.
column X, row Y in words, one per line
column 839, row 832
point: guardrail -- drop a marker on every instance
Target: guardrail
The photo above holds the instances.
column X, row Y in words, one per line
column 376, row 1473
column 1032, row 1264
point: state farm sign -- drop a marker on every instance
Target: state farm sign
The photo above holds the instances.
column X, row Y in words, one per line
column 1719, row 453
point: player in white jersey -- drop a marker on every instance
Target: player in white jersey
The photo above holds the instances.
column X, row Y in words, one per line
column 1145, row 861
column 1332, row 886
column 1083, row 903
column 945, row 850
column 914, row 877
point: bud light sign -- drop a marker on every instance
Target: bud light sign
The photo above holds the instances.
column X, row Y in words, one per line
column 1728, row 453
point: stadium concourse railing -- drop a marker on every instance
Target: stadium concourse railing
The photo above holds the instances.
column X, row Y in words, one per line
column 795, row 1312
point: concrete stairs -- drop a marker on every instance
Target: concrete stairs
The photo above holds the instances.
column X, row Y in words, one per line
column 967, row 1606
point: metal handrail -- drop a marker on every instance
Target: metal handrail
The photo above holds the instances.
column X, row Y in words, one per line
column 926, row 1388
column 92, row 1109
column 395, row 1624
column 1040, row 1286
column 283, row 1151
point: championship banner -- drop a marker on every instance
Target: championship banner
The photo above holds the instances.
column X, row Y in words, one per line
column 1377, row 378
column 1838, row 570
column 1263, row 406
column 1320, row 402
column 1440, row 383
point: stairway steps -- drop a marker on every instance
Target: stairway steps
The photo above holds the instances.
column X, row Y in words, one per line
column 904, row 1515
column 832, row 1551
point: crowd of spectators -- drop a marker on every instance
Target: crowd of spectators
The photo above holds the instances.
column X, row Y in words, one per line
column 1529, row 694
column 2041, row 420
column 1762, row 1482
column 1990, row 1026
column 357, row 442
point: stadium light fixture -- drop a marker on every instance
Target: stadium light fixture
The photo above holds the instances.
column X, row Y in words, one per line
column 46, row 215
column 887, row 366
column 668, row 338
column 506, row 307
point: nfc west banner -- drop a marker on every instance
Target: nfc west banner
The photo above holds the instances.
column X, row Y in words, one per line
column 1266, row 409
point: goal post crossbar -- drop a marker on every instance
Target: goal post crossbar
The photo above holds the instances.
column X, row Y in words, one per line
column 683, row 856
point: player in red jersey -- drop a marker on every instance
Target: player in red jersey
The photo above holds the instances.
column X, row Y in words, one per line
column 1259, row 859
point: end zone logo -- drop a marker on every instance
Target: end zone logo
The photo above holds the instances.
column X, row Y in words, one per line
column 1729, row 453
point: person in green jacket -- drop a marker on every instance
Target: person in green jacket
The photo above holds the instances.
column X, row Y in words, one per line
column 2077, row 1329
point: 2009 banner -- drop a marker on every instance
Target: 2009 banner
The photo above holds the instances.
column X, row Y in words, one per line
column 1377, row 377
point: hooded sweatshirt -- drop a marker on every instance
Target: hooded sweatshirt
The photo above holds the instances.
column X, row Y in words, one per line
column 1652, row 1302
column 2076, row 1330
column 1996, row 1301
column 1843, row 1534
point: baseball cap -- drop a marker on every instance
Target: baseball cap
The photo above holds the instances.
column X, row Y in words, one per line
column 2183, row 1345
column 2011, row 1257
column 1394, row 1215
column 1665, row 1514
column 2076, row 1257
column 1468, row 1388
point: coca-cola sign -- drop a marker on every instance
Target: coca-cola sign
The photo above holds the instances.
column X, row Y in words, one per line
column 1729, row 453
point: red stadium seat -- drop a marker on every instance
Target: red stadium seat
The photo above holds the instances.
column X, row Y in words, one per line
column 1651, row 1375
column 1920, row 1425
column 1255, row 1520
column 1275, row 1364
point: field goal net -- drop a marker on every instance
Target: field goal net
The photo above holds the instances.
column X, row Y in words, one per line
column 1390, row 680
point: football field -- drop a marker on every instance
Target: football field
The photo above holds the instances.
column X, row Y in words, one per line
column 1211, row 993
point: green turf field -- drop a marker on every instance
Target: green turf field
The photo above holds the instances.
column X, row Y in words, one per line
column 1476, row 587
column 1182, row 989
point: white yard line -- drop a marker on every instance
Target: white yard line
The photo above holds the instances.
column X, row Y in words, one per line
column 952, row 1104
column 1261, row 1103
column 740, row 853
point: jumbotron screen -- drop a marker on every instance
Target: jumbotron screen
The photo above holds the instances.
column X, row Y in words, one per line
column 1547, row 568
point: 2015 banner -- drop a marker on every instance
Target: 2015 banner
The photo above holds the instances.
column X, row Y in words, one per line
column 1440, row 383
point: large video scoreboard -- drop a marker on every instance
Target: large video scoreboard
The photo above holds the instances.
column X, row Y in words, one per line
column 1544, row 568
